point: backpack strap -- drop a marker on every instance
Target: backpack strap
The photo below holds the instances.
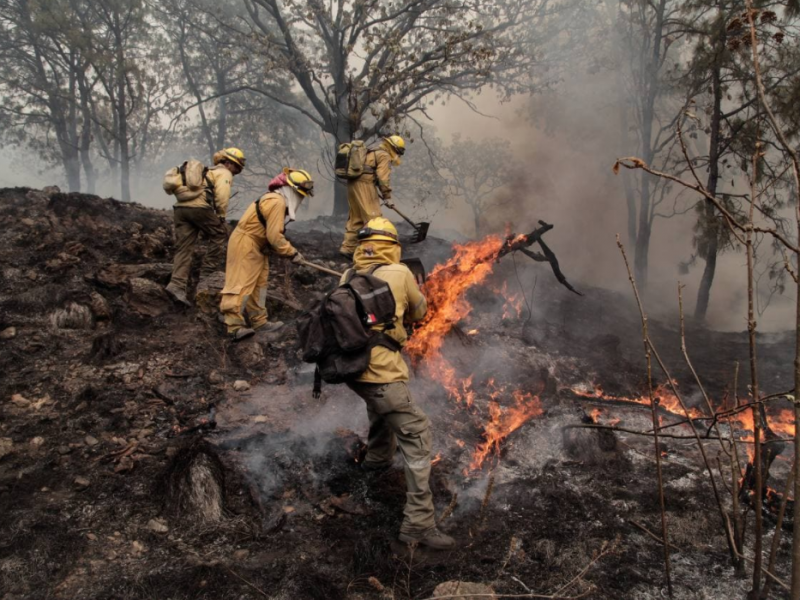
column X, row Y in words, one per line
column 259, row 214
column 182, row 171
column 379, row 338
column 210, row 193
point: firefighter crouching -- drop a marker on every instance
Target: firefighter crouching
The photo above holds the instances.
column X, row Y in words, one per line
column 362, row 193
column 259, row 232
column 203, row 210
column 394, row 418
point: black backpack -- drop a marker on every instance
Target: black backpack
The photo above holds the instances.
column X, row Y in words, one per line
column 337, row 334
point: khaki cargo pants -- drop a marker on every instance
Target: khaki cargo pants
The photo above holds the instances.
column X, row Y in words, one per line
column 189, row 223
column 395, row 420
column 365, row 205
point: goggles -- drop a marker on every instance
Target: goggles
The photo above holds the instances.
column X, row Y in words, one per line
column 368, row 232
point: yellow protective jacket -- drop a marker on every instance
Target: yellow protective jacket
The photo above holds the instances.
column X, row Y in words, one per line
column 273, row 209
column 221, row 180
column 251, row 240
column 378, row 165
column 386, row 366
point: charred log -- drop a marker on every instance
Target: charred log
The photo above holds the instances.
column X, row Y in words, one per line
column 195, row 484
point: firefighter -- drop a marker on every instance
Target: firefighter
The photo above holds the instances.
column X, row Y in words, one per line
column 394, row 418
column 259, row 232
column 204, row 213
column 362, row 193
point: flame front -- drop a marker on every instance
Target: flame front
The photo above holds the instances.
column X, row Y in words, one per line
column 445, row 291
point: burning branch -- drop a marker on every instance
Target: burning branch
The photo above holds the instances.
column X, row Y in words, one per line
column 523, row 242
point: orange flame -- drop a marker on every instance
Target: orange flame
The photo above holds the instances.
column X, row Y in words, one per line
column 503, row 422
column 445, row 290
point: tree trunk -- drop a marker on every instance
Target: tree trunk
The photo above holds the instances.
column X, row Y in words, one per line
column 642, row 248
column 340, row 204
column 712, row 248
column 124, row 142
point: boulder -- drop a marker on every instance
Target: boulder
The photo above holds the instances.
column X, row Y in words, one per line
column 147, row 298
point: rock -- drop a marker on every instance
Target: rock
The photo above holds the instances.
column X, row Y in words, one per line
column 207, row 296
column 6, row 446
column 249, row 354
column 462, row 590
column 241, row 554
column 240, row 385
column 63, row 450
column 81, row 482
column 157, row 525
column 31, row 275
column 260, row 419
column 117, row 275
column 20, row 401
column 138, row 547
column 27, row 222
column 215, row 377
column 8, row 333
column 37, row 442
column 91, row 537
column 100, row 307
column 147, row 298
column 91, row 440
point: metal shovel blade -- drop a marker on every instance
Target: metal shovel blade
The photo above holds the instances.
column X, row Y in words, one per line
column 420, row 232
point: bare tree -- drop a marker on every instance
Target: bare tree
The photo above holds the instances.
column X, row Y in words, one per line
column 364, row 68
column 478, row 171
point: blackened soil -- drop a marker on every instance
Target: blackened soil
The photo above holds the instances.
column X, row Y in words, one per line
column 100, row 370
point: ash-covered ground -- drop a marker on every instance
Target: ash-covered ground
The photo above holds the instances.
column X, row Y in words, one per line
column 108, row 389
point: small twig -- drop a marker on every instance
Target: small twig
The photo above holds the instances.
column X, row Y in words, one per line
column 243, row 580
column 645, row 530
column 486, row 497
column 776, row 537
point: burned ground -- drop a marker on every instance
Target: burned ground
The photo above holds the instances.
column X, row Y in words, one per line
column 105, row 410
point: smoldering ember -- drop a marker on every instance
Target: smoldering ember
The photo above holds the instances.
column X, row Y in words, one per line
column 399, row 300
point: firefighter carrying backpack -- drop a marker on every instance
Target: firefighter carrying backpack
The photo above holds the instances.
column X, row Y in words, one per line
column 338, row 334
column 351, row 160
column 191, row 174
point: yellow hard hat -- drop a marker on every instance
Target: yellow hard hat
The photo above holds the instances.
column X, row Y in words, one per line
column 396, row 142
column 300, row 181
column 379, row 229
column 232, row 154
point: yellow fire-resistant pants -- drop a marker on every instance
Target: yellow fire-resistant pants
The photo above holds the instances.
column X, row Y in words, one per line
column 395, row 420
column 189, row 223
column 246, row 276
column 362, row 197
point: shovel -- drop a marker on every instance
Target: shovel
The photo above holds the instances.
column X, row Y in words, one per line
column 305, row 263
column 420, row 229
column 414, row 264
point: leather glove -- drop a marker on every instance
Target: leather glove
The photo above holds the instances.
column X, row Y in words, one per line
column 298, row 259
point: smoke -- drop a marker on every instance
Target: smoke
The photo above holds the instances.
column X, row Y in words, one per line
column 568, row 140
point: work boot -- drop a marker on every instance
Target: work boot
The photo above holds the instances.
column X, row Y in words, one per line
column 177, row 294
column 433, row 538
column 241, row 334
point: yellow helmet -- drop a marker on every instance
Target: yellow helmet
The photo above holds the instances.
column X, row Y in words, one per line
column 232, row 154
column 300, row 181
column 379, row 229
column 396, row 142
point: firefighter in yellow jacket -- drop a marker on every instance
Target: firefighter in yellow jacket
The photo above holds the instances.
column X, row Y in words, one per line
column 362, row 193
column 394, row 418
column 203, row 212
column 260, row 232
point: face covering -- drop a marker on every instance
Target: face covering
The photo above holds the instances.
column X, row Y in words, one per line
column 293, row 201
